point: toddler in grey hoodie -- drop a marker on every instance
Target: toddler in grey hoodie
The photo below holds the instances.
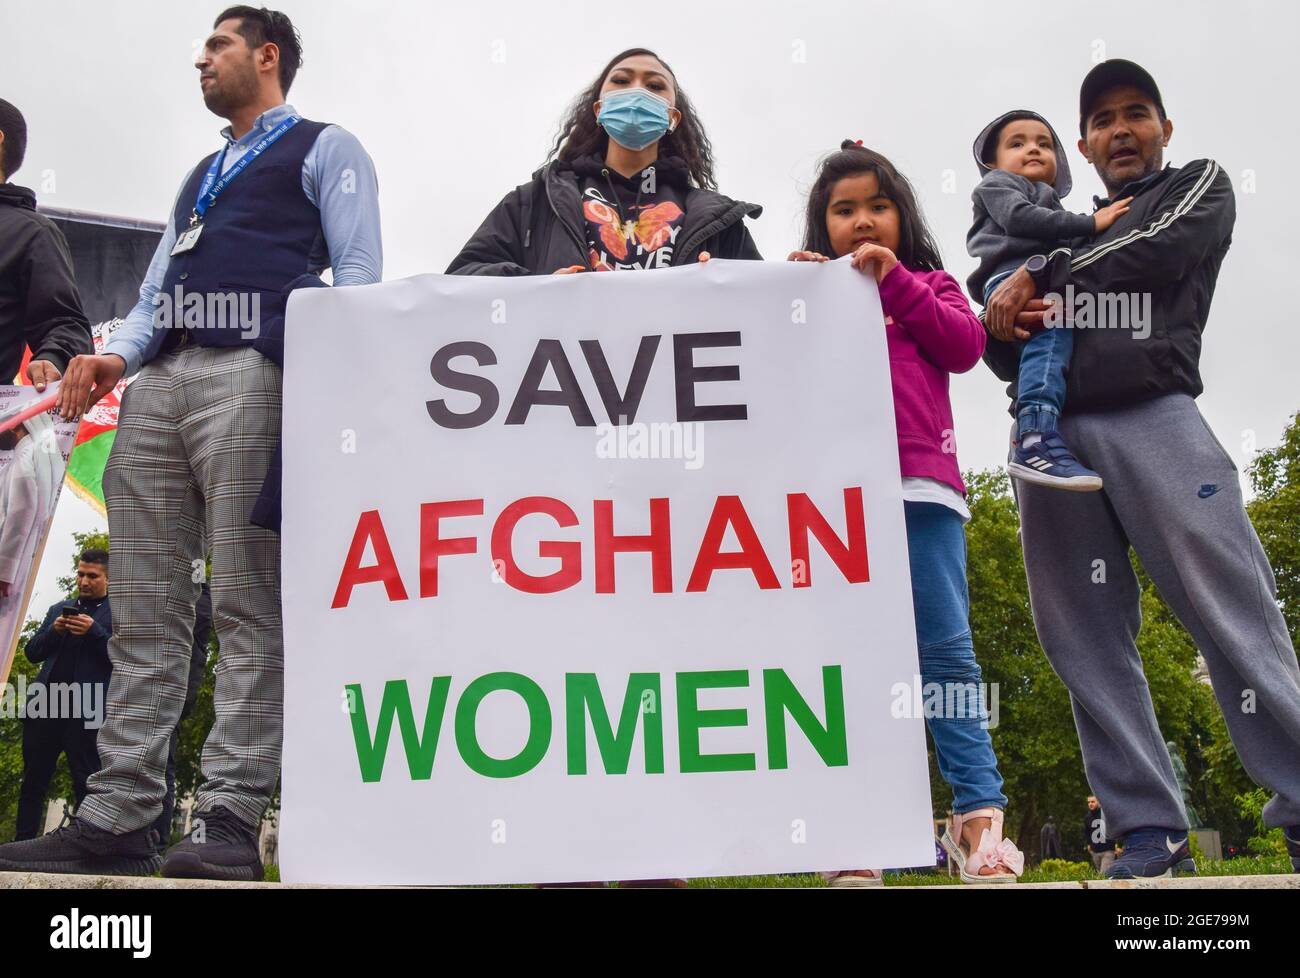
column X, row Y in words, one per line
column 1018, row 214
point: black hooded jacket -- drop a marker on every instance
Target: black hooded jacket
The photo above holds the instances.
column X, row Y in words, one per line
column 1167, row 249
column 538, row 228
column 39, row 303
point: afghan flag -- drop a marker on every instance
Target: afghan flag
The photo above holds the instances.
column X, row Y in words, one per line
column 110, row 257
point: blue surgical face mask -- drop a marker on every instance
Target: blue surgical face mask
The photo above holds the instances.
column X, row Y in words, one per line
column 634, row 117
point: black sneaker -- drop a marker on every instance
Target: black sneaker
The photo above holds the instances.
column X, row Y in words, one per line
column 80, row 847
column 1151, row 853
column 227, row 850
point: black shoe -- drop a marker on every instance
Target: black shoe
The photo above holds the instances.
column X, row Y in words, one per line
column 80, row 847
column 1153, row 853
column 228, row 850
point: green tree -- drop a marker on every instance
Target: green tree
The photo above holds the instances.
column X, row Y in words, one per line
column 1275, row 511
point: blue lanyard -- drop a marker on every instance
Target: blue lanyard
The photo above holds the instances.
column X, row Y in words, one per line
column 212, row 187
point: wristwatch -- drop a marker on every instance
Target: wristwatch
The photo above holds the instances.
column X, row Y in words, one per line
column 1036, row 266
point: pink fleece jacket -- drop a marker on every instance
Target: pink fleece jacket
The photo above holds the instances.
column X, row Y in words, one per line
column 933, row 334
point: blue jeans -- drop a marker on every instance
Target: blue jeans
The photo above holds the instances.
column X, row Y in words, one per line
column 1040, row 389
column 936, row 544
column 1044, row 359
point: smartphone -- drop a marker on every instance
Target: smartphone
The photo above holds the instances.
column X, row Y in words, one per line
column 69, row 611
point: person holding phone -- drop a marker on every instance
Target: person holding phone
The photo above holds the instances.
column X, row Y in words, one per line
column 72, row 647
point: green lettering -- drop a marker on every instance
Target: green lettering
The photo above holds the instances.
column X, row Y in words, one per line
column 582, row 695
column 690, row 719
column 396, row 702
column 781, row 697
column 539, row 725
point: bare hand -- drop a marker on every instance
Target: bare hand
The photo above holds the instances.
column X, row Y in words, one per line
column 704, row 256
column 89, row 378
column 806, row 256
column 1006, row 303
column 42, row 372
column 1032, row 319
column 1108, row 215
column 79, row 624
column 60, row 625
column 884, row 258
column 570, row 269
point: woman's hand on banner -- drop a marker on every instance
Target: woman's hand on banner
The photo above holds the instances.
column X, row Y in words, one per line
column 806, row 256
column 88, row 379
column 704, row 256
column 570, row 269
column 42, row 372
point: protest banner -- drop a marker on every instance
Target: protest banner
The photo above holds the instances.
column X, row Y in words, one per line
column 596, row 577
column 34, row 448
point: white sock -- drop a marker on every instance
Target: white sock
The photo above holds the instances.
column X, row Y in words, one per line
column 1030, row 439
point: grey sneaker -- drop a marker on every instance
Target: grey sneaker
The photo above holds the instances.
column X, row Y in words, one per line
column 80, row 847
column 219, row 847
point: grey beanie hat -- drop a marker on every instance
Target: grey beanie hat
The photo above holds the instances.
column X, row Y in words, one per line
column 986, row 143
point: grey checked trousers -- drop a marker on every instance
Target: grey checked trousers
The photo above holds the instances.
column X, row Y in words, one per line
column 197, row 431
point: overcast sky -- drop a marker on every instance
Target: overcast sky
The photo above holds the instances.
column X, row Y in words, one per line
column 458, row 103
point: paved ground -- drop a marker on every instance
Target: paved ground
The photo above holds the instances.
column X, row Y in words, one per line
column 48, row 881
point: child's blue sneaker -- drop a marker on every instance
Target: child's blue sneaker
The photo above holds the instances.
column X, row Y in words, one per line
column 1153, row 854
column 1049, row 462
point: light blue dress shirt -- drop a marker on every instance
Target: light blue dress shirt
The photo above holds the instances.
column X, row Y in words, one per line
column 338, row 177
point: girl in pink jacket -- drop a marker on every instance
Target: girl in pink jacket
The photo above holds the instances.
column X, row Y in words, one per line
column 861, row 206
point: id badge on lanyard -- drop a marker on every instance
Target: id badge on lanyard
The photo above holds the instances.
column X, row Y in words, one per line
column 213, row 184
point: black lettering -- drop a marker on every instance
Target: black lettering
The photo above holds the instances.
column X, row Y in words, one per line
column 688, row 375
column 489, row 398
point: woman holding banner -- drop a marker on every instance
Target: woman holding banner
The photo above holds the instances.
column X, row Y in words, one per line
column 628, row 185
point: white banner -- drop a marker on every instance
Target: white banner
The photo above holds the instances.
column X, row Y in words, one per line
column 34, row 447
column 524, row 644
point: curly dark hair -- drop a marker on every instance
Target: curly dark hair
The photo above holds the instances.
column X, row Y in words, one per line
column 579, row 135
column 916, row 246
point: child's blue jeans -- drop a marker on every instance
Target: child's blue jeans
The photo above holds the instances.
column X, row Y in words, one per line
column 936, row 544
column 1040, row 387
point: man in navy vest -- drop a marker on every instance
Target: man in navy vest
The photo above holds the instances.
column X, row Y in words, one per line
column 199, row 429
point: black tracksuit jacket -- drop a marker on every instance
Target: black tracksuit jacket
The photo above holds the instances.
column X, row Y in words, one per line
column 1170, row 244
column 39, row 303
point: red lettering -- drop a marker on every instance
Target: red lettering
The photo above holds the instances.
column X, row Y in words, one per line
column 433, row 546
column 851, row 559
column 728, row 510
column 370, row 528
column 658, row 543
column 568, row 552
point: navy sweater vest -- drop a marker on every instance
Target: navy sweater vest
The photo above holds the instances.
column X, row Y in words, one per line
column 260, row 235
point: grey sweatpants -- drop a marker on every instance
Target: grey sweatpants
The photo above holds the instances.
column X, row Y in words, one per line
column 1172, row 493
